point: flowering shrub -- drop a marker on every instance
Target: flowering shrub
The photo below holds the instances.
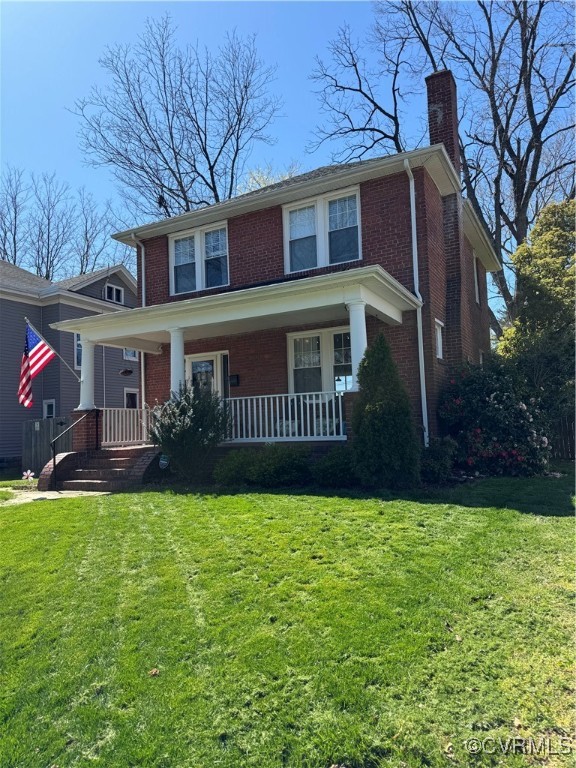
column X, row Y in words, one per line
column 498, row 431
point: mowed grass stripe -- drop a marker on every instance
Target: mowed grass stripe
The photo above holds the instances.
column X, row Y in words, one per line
column 289, row 630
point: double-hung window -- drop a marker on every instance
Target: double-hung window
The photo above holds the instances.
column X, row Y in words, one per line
column 320, row 361
column 321, row 232
column 199, row 260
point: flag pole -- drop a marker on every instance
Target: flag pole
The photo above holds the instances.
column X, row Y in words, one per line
column 53, row 350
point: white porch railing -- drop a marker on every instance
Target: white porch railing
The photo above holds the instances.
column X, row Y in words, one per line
column 275, row 418
column 125, row 426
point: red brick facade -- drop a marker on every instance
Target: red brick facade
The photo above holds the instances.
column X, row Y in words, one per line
column 446, row 266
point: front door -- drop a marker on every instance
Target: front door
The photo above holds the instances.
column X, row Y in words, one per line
column 208, row 372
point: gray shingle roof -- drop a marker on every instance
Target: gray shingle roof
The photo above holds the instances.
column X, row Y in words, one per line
column 70, row 282
column 18, row 279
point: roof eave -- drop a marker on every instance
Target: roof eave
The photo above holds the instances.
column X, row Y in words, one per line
column 435, row 159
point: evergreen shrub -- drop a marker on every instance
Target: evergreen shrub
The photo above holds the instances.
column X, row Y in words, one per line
column 385, row 447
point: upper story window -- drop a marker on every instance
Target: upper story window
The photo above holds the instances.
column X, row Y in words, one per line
column 114, row 293
column 321, row 232
column 77, row 352
column 130, row 354
column 199, row 260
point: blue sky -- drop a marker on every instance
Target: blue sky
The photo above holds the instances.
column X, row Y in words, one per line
column 50, row 52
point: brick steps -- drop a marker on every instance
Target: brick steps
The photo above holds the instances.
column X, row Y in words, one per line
column 110, row 469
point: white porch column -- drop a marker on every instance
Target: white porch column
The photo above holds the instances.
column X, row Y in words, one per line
column 177, row 372
column 86, row 375
column 358, row 337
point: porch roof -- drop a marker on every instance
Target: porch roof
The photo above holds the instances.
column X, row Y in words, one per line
column 292, row 302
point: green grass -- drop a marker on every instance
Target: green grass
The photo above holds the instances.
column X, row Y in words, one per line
column 288, row 629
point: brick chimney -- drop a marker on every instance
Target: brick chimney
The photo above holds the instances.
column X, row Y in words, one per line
column 443, row 113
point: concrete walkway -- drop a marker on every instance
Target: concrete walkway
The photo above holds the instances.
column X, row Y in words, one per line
column 24, row 496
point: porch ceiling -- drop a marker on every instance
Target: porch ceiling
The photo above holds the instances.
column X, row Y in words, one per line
column 294, row 302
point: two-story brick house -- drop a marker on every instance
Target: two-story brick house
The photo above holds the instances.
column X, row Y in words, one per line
column 272, row 297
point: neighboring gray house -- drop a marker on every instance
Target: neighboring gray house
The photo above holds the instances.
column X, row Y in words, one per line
column 55, row 389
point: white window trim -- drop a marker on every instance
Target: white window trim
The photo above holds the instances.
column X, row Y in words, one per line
column 127, row 357
column 132, row 390
column 326, row 354
column 439, row 339
column 199, row 257
column 45, row 404
column 216, row 356
column 116, row 288
column 76, row 340
column 476, row 281
column 322, row 241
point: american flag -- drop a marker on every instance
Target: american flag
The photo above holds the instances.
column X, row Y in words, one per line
column 37, row 354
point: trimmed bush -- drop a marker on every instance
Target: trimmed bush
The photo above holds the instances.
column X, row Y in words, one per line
column 498, row 429
column 273, row 466
column 437, row 460
column 187, row 428
column 386, row 451
column 335, row 469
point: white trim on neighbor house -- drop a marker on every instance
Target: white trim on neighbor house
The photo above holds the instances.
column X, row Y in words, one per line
column 113, row 293
column 49, row 408
column 198, row 235
column 321, row 206
column 439, row 338
column 126, row 354
column 132, row 391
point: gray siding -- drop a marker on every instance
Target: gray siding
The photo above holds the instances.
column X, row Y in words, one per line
column 12, row 414
column 55, row 381
column 96, row 289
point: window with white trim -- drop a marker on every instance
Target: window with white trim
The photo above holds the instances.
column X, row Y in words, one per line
column 48, row 409
column 320, row 361
column 439, row 328
column 130, row 354
column 321, row 232
column 476, row 280
column 131, row 398
column 114, row 293
column 77, row 352
column 199, row 260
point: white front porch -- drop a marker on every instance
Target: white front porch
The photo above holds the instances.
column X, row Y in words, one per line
column 343, row 299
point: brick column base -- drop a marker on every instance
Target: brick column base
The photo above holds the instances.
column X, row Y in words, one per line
column 87, row 435
column 348, row 406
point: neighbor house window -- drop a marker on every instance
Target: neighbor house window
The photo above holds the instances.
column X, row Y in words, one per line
column 131, row 398
column 322, row 231
column 114, row 293
column 320, row 361
column 77, row 352
column 439, row 327
column 199, row 260
column 48, row 409
column 131, row 354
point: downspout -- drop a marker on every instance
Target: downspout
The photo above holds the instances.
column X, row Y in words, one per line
column 143, row 294
column 418, row 295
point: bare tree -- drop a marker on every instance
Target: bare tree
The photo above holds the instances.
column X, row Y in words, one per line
column 176, row 126
column 92, row 234
column 264, row 175
column 50, row 229
column 14, row 196
column 514, row 63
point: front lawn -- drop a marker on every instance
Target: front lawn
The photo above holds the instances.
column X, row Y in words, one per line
column 173, row 630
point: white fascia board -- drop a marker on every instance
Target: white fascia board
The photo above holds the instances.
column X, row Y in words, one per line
column 479, row 239
column 291, row 296
column 60, row 297
column 435, row 159
column 93, row 277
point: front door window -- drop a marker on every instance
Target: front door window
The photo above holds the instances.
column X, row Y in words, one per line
column 203, row 375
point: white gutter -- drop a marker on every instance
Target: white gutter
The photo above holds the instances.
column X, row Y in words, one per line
column 143, row 281
column 421, row 368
